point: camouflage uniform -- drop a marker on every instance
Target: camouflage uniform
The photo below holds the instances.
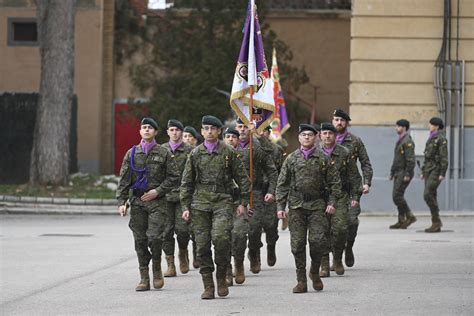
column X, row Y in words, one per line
column 435, row 165
column 302, row 184
column 263, row 218
column 206, row 190
column 148, row 220
column 403, row 166
column 357, row 151
column 177, row 224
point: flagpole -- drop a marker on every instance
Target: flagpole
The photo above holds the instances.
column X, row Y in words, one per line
column 251, row 149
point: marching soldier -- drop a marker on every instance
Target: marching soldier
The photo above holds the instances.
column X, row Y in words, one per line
column 147, row 170
column 357, row 151
column 191, row 136
column 206, row 191
column 351, row 192
column 434, row 170
column 304, row 176
column 264, row 218
column 401, row 173
column 180, row 151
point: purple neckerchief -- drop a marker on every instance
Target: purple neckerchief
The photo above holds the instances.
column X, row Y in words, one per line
column 174, row 146
column 328, row 151
column 243, row 143
column 211, row 147
column 400, row 137
column 340, row 137
column 147, row 146
column 307, row 152
column 433, row 134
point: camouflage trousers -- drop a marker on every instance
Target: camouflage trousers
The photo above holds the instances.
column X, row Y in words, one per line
column 430, row 193
column 399, row 188
column 352, row 223
column 240, row 230
column 148, row 222
column 265, row 218
column 178, row 226
column 213, row 226
column 337, row 233
column 312, row 225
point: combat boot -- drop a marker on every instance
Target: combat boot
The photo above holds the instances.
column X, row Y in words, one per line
column 195, row 260
column 239, row 271
column 410, row 220
column 171, row 272
column 314, row 276
column 349, row 257
column 158, row 280
column 436, row 225
column 302, row 285
column 229, row 277
column 254, row 257
column 144, row 284
column 209, row 288
column 222, row 289
column 324, row 273
column 271, row 255
column 183, row 261
column 399, row 223
column 337, row 261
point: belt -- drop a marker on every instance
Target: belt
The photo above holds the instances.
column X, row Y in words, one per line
column 211, row 188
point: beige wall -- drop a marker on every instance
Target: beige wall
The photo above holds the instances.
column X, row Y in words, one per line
column 394, row 45
column 20, row 71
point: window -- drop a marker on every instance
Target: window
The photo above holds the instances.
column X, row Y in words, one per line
column 22, row 32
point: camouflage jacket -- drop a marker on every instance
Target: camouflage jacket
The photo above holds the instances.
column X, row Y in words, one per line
column 302, row 183
column 404, row 157
column 350, row 178
column 276, row 151
column 209, row 178
column 180, row 156
column 357, row 151
column 162, row 173
column 263, row 168
column 436, row 156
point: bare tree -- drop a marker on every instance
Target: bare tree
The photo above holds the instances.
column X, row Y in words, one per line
column 50, row 153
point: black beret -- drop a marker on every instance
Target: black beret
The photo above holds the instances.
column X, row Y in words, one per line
column 403, row 123
column 149, row 121
column 328, row 127
column 341, row 113
column 437, row 121
column 211, row 120
column 175, row 123
column 268, row 128
column 230, row 130
column 191, row 130
column 307, row 127
column 239, row 121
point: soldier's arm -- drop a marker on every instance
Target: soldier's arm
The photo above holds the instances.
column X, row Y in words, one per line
column 172, row 176
column 186, row 189
column 355, row 180
column 443, row 154
column 409, row 149
column 124, row 182
column 333, row 181
column 283, row 186
column 239, row 174
column 271, row 173
column 365, row 165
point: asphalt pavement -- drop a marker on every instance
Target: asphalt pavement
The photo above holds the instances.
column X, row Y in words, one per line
column 84, row 265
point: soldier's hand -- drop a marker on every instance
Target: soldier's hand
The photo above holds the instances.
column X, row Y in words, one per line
column 122, row 210
column 330, row 209
column 422, row 177
column 240, row 210
column 390, row 178
column 185, row 215
column 354, row 203
column 281, row 214
column 150, row 195
column 440, row 178
column 365, row 188
column 269, row 197
column 406, row 178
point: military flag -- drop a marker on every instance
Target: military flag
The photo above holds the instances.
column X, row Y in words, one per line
column 252, row 86
column 280, row 125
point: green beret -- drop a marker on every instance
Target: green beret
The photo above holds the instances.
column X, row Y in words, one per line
column 191, row 130
column 211, row 120
column 328, row 127
column 403, row 123
column 307, row 127
column 437, row 122
column 230, row 130
column 149, row 121
column 175, row 123
column 342, row 114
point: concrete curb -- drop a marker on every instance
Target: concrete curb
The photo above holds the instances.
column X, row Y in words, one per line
column 56, row 200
